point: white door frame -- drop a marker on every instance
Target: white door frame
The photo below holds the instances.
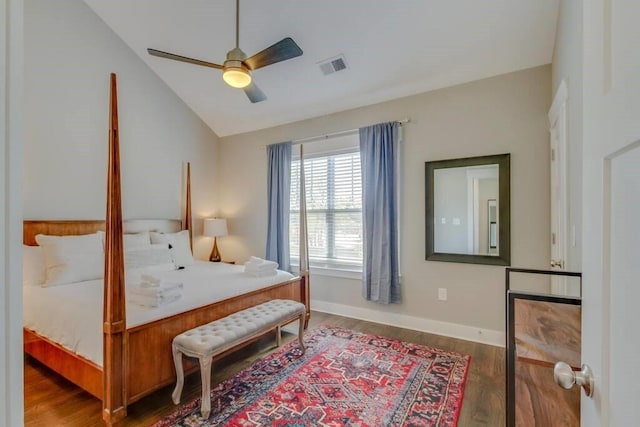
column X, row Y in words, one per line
column 559, row 193
column 11, row 167
column 475, row 173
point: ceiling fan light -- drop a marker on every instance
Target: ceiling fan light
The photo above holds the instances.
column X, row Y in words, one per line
column 237, row 77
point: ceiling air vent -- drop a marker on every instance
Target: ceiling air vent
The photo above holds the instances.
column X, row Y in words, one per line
column 332, row 65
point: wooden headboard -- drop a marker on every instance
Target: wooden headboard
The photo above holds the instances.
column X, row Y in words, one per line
column 31, row 228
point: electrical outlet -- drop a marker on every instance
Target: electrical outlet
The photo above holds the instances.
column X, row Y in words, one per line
column 442, row 294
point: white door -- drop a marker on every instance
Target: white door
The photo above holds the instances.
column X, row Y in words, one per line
column 624, row 289
column 611, row 211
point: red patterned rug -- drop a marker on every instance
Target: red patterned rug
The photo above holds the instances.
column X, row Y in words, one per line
column 344, row 378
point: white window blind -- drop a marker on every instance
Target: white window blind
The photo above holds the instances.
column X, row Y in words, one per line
column 334, row 210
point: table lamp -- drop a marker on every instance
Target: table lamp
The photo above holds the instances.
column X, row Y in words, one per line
column 215, row 227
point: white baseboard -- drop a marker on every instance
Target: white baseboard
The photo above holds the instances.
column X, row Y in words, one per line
column 454, row 330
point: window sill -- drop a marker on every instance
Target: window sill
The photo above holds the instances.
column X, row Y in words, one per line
column 333, row 272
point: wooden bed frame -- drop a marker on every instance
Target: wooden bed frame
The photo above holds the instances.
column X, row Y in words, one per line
column 138, row 360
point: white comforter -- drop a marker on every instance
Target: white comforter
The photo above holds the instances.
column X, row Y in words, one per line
column 71, row 315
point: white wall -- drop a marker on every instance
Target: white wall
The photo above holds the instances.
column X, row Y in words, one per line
column 450, row 201
column 567, row 66
column 69, row 54
column 11, row 72
column 503, row 114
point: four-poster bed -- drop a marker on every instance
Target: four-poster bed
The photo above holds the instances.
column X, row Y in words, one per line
column 136, row 360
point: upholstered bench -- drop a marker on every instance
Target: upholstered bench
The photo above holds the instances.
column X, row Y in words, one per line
column 223, row 335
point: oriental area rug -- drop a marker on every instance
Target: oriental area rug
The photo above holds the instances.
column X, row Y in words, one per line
column 344, row 378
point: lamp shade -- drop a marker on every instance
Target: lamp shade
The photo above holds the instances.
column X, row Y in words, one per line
column 215, row 227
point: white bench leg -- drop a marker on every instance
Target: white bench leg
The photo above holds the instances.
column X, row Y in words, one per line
column 301, row 331
column 205, row 374
column 278, row 336
column 177, row 361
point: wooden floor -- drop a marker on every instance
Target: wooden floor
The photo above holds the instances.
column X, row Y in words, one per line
column 50, row 400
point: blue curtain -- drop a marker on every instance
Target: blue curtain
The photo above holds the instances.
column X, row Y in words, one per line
column 379, row 157
column 278, row 188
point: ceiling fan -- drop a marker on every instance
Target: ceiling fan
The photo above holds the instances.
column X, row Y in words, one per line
column 236, row 68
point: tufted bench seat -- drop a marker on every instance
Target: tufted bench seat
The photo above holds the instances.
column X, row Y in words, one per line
column 213, row 339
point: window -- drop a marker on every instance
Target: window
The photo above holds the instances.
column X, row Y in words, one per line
column 334, row 209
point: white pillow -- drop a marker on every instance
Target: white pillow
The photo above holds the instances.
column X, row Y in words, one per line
column 179, row 246
column 133, row 240
column 70, row 259
column 136, row 240
column 33, row 272
column 147, row 256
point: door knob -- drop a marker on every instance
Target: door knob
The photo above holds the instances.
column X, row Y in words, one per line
column 566, row 377
column 555, row 263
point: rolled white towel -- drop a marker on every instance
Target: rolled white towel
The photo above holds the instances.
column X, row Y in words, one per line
column 269, row 264
column 255, row 260
column 149, row 281
column 154, row 301
column 264, row 266
column 260, row 267
column 270, row 269
column 154, row 291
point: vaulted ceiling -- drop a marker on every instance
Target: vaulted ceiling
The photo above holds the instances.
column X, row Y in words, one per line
column 392, row 48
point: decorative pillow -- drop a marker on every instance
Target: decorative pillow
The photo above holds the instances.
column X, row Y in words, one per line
column 178, row 246
column 33, row 272
column 70, row 259
column 147, row 256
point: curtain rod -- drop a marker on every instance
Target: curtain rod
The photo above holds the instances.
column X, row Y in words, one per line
column 339, row 133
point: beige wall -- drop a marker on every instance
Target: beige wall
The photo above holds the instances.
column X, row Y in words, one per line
column 69, row 54
column 504, row 114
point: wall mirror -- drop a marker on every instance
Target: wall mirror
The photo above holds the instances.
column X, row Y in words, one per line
column 467, row 210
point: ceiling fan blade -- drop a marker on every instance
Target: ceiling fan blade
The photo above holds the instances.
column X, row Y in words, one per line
column 254, row 93
column 175, row 57
column 281, row 51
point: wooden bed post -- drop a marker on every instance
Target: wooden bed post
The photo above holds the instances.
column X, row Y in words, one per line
column 306, row 295
column 304, row 243
column 114, row 405
column 187, row 210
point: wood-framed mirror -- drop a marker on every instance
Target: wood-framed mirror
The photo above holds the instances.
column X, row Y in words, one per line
column 468, row 217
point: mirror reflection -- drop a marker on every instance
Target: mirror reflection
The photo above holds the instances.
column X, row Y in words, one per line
column 464, row 220
column 467, row 210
